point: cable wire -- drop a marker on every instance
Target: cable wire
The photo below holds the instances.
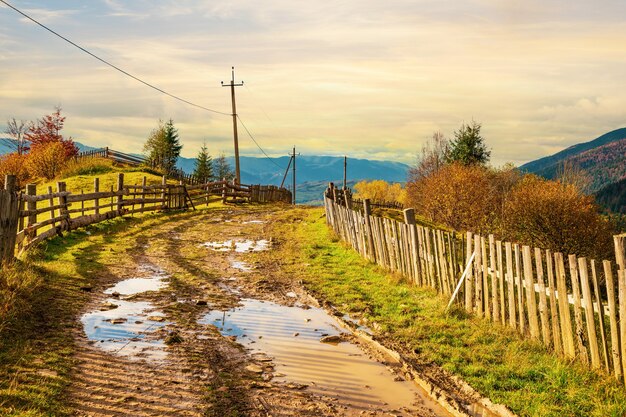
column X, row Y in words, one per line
column 255, row 142
column 112, row 65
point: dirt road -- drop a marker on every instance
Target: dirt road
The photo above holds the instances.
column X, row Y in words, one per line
column 198, row 325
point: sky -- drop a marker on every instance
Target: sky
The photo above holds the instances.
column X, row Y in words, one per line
column 368, row 79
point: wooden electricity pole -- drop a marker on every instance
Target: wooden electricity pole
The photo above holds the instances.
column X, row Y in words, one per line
column 293, row 156
column 345, row 172
column 232, row 86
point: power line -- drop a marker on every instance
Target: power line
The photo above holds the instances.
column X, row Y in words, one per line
column 255, row 142
column 112, row 65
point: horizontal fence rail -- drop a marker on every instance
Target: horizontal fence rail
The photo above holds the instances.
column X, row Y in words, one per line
column 29, row 217
column 574, row 306
column 136, row 160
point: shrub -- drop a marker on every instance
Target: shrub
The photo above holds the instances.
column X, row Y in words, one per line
column 14, row 164
column 557, row 216
column 86, row 166
column 47, row 160
column 379, row 190
column 461, row 197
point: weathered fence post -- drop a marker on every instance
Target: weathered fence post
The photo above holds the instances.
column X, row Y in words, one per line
column 367, row 213
column 65, row 216
column 96, row 201
column 8, row 219
column 31, row 206
column 620, row 250
column 120, row 193
column 224, row 188
column 164, row 193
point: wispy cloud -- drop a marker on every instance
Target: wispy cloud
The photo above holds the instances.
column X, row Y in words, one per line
column 364, row 78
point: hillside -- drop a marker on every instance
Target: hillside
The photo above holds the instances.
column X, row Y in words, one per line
column 613, row 197
column 603, row 158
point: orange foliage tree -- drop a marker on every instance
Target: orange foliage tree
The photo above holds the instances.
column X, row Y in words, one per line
column 379, row 190
column 461, row 197
column 47, row 160
column 14, row 164
column 557, row 216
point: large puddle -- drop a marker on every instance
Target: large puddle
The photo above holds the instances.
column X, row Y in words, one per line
column 129, row 328
column 240, row 246
column 291, row 335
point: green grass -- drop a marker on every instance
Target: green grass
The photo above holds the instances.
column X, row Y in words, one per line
column 493, row 359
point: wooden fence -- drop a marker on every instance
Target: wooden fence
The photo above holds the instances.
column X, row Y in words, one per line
column 28, row 218
column 575, row 306
column 136, row 160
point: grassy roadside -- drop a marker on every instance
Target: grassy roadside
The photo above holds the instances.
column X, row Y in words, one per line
column 493, row 359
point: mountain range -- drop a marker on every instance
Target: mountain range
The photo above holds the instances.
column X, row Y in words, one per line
column 603, row 159
column 313, row 173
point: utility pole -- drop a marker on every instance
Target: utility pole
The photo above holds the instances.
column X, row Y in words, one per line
column 345, row 172
column 293, row 158
column 232, row 86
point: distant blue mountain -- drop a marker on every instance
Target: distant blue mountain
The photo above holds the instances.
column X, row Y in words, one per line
column 311, row 169
column 10, row 145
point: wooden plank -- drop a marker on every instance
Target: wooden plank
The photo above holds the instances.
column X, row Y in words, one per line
column 601, row 315
column 37, row 198
column 485, row 274
column 478, row 274
column 96, row 201
column 554, row 314
column 578, row 318
column 620, row 250
column 589, row 313
column 543, row 302
column 31, row 190
column 469, row 294
column 510, row 284
column 520, row 289
column 500, row 274
column 495, row 299
column 621, row 280
column 564, row 309
column 615, row 339
column 531, row 302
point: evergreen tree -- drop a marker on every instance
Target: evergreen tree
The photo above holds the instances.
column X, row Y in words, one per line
column 468, row 147
column 222, row 168
column 163, row 147
column 204, row 165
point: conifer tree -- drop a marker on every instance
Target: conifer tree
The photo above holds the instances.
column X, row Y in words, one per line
column 163, row 147
column 203, row 171
column 468, row 147
column 222, row 168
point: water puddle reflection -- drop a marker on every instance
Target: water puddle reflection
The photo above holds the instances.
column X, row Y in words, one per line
column 240, row 246
column 291, row 335
column 126, row 330
column 129, row 328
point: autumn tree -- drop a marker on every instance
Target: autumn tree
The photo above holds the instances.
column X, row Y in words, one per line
column 570, row 173
column 163, row 147
column 379, row 190
column 557, row 216
column 222, row 168
column 203, row 171
column 432, row 157
column 47, row 130
column 46, row 160
column 458, row 196
column 17, row 130
column 468, row 146
column 14, row 164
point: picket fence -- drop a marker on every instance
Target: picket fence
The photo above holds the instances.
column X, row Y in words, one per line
column 575, row 308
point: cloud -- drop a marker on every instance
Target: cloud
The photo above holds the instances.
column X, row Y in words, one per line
column 367, row 79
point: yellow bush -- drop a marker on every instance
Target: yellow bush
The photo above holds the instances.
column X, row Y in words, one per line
column 379, row 190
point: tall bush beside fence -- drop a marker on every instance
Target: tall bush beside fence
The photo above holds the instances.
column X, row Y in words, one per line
column 507, row 283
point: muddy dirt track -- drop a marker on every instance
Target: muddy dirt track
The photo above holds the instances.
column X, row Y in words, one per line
column 197, row 324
